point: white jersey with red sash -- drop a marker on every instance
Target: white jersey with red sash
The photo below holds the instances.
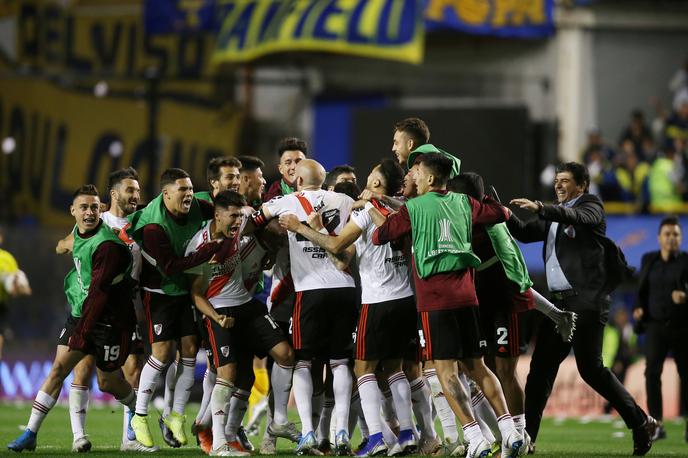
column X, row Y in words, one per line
column 311, row 268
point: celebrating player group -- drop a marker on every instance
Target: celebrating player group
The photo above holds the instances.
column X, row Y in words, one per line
column 388, row 307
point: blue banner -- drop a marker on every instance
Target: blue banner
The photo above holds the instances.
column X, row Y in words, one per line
column 503, row 18
column 636, row 235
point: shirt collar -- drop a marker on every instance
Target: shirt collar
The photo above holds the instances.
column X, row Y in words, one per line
column 571, row 202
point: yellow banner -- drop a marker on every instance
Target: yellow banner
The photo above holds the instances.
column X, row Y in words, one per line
column 384, row 29
column 65, row 138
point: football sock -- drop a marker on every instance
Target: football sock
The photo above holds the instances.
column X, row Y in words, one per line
column 41, row 406
column 401, row 395
column 420, row 395
column 150, row 376
column 78, row 404
column 237, row 408
column 341, row 386
column 303, row 393
column 281, row 386
column 219, row 406
column 446, row 414
column 184, row 384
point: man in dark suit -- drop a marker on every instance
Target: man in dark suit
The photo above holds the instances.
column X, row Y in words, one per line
column 662, row 310
column 577, row 278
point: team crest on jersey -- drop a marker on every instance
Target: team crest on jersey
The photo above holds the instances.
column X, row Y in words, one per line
column 158, row 329
column 225, row 350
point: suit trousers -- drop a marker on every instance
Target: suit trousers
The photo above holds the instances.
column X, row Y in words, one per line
column 660, row 338
column 551, row 350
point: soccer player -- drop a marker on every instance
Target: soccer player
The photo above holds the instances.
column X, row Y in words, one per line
column 252, row 183
column 387, row 320
column 220, row 293
column 409, row 134
column 222, row 174
column 291, row 151
column 100, row 290
column 325, row 310
column 440, row 225
column 340, row 174
column 163, row 229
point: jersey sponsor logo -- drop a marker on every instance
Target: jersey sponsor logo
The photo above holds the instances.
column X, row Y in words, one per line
column 397, row 261
column 225, row 350
column 445, row 233
column 317, row 252
column 157, row 328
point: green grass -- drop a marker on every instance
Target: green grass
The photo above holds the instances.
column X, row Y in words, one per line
column 557, row 439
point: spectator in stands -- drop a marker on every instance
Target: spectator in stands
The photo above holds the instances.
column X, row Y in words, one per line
column 630, row 175
column 679, row 82
column 665, row 181
column 637, row 132
column 595, row 142
column 677, row 124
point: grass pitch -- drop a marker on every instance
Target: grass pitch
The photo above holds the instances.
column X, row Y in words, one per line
column 568, row 438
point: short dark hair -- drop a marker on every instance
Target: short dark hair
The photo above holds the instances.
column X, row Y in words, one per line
column 250, row 163
column 117, row 176
column 212, row 172
column 86, row 190
column 335, row 172
column 468, row 183
column 291, row 144
column 578, row 171
column 171, row 175
column 226, row 199
column 350, row 189
column 670, row 220
column 414, row 128
column 439, row 164
column 393, row 174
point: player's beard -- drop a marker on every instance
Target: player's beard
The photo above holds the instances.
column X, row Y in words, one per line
column 124, row 205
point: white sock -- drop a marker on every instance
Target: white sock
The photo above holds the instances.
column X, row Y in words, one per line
column 520, row 423
column 472, row 432
column 170, row 382
column 280, row 381
column 388, row 435
column 446, row 414
column 185, row 381
column 506, row 425
column 361, row 421
column 420, row 396
column 325, row 418
column 125, row 421
column 150, row 375
column 550, row 310
column 354, row 410
column 219, row 406
column 485, row 416
column 209, row 379
column 370, row 402
column 342, row 383
column 303, row 393
column 237, row 409
column 401, row 395
column 78, row 404
column 389, row 413
column 41, row 406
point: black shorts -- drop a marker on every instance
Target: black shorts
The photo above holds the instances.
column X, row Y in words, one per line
column 110, row 345
column 386, row 329
column 497, row 293
column 254, row 333
column 504, row 333
column 323, row 323
column 451, row 334
column 169, row 317
column 136, row 346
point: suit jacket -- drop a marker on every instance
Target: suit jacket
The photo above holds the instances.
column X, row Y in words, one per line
column 580, row 247
column 646, row 264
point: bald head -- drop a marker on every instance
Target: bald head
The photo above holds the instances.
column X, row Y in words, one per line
column 309, row 173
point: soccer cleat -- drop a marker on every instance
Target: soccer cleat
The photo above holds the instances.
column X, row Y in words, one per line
column 27, row 441
column 642, row 436
column 342, row 444
column 406, row 445
column 227, row 450
column 167, row 435
column 479, row 449
column 660, row 433
column 285, row 431
column 135, row 446
column 361, row 446
column 307, row 445
column 374, row 446
column 567, row 325
column 139, row 425
column 204, row 437
column 448, row 448
column 269, row 445
column 428, row 446
column 245, row 441
column 176, row 422
column 81, row 445
column 513, row 446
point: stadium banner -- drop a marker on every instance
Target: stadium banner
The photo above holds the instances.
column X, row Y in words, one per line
column 65, row 138
column 503, row 18
column 383, row 29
